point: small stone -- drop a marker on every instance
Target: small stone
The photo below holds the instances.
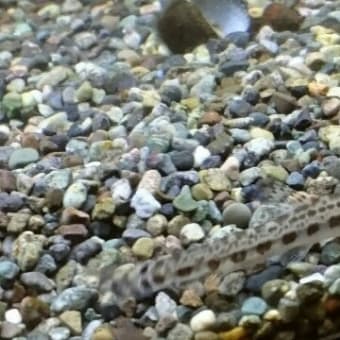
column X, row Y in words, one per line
column 254, row 306
column 259, row 146
column 190, row 298
column 75, row 195
column 216, row 179
column 232, row 283
column 37, row 281
column 22, row 157
column 330, row 253
column 165, row 306
column 84, row 92
column 200, row 155
column 272, row 291
column 150, row 181
column 8, row 271
column 76, row 298
column 27, row 249
column 73, row 320
column 7, row 181
column 203, row 320
column 237, row 333
column 59, row 333
column 33, row 310
column 103, row 332
column 12, row 104
column 13, row 316
column 144, row 203
column 191, row 232
column 331, row 106
column 201, row 191
column 238, row 214
column 180, row 331
column 295, row 180
column 184, row 200
column 310, row 292
column 121, row 191
column 18, row 222
column 156, row 224
column 143, row 247
column 104, row 209
column 11, row 330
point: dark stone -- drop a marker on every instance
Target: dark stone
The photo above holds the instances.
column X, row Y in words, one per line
column 255, row 282
column 295, row 180
column 228, row 68
column 239, row 108
column 183, row 160
column 183, row 27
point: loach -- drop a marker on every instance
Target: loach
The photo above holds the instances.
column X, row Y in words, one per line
column 306, row 220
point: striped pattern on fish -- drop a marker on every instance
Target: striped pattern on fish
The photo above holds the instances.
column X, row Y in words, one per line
column 308, row 220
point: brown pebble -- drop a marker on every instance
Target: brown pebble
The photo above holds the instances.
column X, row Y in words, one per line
column 72, row 215
column 33, row 310
column 332, row 305
column 7, row 181
column 237, row 333
column 30, row 140
column 281, row 17
column 73, row 232
column 191, row 299
column 54, row 198
column 210, row 118
column 317, row 89
column 283, row 103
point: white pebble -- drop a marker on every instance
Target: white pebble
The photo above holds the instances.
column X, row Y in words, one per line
column 311, row 278
column 191, row 232
column 13, row 316
column 200, row 155
column 203, row 320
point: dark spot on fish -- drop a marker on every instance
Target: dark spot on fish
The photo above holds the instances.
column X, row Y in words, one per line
column 311, row 213
column 184, row 271
column 213, row 264
column 145, row 284
column 263, row 247
column 238, row 257
column 334, row 221
column 312, row 229
column 144, row 268
column 330, row 206
column 289, row 238
column 322, row 209
column 158, row 278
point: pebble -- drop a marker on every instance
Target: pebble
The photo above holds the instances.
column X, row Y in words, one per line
column 22, row 157
column 13, row 316
column 8, row 271
column 144, row 203
column 143, row 248
column 254, row 306
column 191, row 232
column 75, row 195
column 74, row 298
column 184, row 200
column 238, row 214
column 203, row 320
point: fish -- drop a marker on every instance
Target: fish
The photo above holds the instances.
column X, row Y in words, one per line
column 303, row 220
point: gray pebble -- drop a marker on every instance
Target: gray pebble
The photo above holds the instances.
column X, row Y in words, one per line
column 37, row 281
column 74, row 298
